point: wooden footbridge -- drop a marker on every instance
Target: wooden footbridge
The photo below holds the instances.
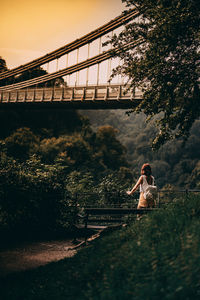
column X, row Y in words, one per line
column 99, row 218
column 109, row 214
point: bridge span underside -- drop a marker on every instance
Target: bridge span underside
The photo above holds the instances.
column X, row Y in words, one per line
column 89, row 97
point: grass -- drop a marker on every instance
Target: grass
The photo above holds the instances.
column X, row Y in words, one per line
column 157, row 257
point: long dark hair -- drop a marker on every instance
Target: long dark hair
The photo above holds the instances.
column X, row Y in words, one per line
column 146, row 169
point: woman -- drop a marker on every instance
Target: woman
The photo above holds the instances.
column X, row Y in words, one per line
column 144, row 181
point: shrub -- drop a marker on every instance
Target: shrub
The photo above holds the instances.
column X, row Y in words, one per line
column 21, row 143
column 33, row 199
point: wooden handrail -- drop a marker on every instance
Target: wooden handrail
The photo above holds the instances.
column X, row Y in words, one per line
column 113, row 211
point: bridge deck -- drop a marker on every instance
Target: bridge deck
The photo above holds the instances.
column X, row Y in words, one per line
column 80, row 97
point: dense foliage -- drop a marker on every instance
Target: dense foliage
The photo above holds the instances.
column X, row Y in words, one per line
column 3, row 66
column 174, row 163
column 166, row 64
column 55, row 164
column 154, row 258
column 32, row 200
column 50, row 161
column 61, row 159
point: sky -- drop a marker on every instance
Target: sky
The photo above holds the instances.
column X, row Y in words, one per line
column 33, row 28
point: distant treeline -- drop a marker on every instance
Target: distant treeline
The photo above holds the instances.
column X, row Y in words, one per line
column 176, row 163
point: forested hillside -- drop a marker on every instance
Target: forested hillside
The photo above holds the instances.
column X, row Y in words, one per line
column 174, row 163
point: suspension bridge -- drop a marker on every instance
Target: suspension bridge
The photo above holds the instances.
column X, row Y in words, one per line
column 80, row 71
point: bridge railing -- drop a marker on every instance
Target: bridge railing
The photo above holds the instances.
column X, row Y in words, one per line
column 104, row 209
column 76, row 93
column 121, row 199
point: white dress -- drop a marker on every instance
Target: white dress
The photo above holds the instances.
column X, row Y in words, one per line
column 144, row 185
column 142, row 201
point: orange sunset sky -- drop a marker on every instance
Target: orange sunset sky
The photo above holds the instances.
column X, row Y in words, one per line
column 32, row 28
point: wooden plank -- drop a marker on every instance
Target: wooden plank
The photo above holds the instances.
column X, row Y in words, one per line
column 104, row 220
column 96, row 227
column 122, row 211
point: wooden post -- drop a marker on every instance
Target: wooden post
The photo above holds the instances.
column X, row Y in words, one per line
column 186, row 193
column 75, row 215
column 42, row 97
column 95, row 93
column 33, row 99
column 16, row 100
column 158, row 199
column 62, row 94
column 72, row 95
column 52, row 95
column 86, row 222
column 26, row 95
column 8, row 97
column 83, row 96
column 119, row 93
column 107, row 93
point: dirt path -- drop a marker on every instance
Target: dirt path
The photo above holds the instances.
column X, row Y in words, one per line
column 33, row 255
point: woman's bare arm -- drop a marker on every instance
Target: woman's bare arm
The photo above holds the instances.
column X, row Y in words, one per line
column 140, row 180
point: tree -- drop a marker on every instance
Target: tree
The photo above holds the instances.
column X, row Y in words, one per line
column 29, row 74
column 109, row 149
column 22, row 143
column 3, row 66
column 37, row 72
column 165, row 65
